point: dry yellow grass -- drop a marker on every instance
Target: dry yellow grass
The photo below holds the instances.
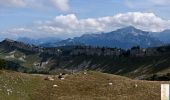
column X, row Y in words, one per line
column 93, row 86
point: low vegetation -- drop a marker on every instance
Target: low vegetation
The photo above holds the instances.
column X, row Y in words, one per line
column 78, row 86
column 137, row 62
column 3, row 64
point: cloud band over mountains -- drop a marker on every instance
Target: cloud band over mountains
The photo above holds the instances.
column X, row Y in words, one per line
column 69, row 25
column 73, row 24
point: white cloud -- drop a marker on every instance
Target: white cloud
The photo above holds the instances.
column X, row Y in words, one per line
column 7, row 35
column 65, row 26
column 161, row 2
column 72, row 25
column 14, row 3
column 147, row 3
column 20, row 30
column 62, row 5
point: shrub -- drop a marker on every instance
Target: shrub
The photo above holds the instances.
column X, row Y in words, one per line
column 3, row 64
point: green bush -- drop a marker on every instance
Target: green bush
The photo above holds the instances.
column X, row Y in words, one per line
column 3, row 64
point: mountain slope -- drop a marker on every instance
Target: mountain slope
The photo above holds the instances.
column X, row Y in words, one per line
column 93, row 85
column 122, row 38
column 67, row 42
column 39, row 41
column 163, row 36
column 134, row 63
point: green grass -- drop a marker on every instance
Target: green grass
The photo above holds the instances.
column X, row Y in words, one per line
column 31, row 59
column 21, row 85
column 93, row 86
column 128, row 65
column 132, row 67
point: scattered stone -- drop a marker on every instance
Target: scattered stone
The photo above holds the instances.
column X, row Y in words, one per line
column 110, row 84
column 136, row 85
column 62, row 78
column 51, row 79
column 55, row 85
column 85, row 73
column 9, row 91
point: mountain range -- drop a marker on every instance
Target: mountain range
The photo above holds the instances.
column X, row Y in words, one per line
column 39, row 41
column 39, row 69
column 163, row 36
column 134, row 63
column 121, row 38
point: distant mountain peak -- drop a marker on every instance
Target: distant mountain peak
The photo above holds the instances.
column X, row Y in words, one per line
column 167, row 30
column 129, row 29
column 13, row 42
column 8, row 40
column 132, row 30
column 122, row 38
column 39, row 41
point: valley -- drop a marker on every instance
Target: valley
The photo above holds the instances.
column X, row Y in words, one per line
column 82, row 72
column 136, row 63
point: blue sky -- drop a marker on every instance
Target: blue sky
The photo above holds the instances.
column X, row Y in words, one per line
column 69, row 18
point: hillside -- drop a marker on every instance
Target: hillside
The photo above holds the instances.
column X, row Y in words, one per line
column 78, row 86
column 163, row 36
column 38, row 41
column 136, row 63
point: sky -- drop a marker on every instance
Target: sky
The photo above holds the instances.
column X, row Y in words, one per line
column 70, row 18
